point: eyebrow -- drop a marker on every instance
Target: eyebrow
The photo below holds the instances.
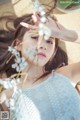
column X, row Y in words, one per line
column 34, row 31
column 52, row 38
column 34, row 35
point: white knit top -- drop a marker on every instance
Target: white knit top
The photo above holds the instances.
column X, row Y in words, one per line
column 53, row 99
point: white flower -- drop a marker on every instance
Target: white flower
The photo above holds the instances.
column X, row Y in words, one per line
column 15, row 88
column 43, row 13
column 7, row 102
column 1, row 82
column 31, row 56
column 48, row 32
column 41, row 25
column 46, row 37
column 21, row 67
column 43, row 19
column 19, row 91
column 9, row 48
column 14, row 65
column 5, row 84
column 18, row 60
column 40, row 9
column 41, row 32
column 14, row 51
column 31, row 52
column 36, row 5
column 18, row 80
column 10, row 85
column 12, row 104
column 17, row 69
column 23, row 59
column 13, row 82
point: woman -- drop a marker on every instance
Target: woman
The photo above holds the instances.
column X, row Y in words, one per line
column 46, row 90
column 7, row 39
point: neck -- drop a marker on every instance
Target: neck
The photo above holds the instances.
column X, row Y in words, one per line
column 33, row 72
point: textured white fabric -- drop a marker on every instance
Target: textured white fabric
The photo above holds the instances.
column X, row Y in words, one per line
column 53, row 99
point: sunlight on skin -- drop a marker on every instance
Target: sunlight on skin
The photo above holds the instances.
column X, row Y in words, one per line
column 40, row 40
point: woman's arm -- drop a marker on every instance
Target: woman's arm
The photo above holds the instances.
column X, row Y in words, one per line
column 71, row 35
column 68, row 35
column 71, row 71
column 78, row 36
column 61, row 32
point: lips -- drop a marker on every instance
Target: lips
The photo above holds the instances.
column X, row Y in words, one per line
column 41, row 54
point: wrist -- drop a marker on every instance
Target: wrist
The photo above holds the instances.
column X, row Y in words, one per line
column 70, row 35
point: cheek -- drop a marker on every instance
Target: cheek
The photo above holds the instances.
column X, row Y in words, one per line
column 51, row 50
column 28, row 43
column 25, row 46
column 29, row 52
column 23, row 52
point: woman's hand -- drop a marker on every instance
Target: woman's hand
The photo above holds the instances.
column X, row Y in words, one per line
column 57, row 30
column 60, row 32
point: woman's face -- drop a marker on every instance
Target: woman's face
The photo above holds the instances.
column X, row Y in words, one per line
column 38, row 54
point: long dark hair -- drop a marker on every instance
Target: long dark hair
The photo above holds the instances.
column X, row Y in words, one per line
column 9, row 38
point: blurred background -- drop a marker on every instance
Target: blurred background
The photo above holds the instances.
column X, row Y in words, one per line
column 67, row 13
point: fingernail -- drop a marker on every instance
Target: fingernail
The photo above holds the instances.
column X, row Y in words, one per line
column 34, row 18
column 24, row 24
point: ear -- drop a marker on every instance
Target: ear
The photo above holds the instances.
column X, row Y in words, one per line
column 17, row 42
column 18, row 45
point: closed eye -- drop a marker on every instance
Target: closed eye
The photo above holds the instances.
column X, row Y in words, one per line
column 35, row 37
column 49, row 41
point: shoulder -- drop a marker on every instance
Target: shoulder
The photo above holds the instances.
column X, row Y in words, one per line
column 71, row 71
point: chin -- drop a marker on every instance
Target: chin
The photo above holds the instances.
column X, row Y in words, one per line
column 38, row 63
column 41, row 63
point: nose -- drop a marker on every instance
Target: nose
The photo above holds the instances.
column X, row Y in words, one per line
column 42, row 45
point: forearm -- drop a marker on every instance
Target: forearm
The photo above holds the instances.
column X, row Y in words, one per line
column 72, row 36
column 78, row 36
column 68, row 35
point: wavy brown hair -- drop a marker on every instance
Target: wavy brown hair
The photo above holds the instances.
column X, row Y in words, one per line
column 10, row 37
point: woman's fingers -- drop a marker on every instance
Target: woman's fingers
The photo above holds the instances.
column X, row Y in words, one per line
column 28, row 25
column 36, row 18
column 57, row 30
